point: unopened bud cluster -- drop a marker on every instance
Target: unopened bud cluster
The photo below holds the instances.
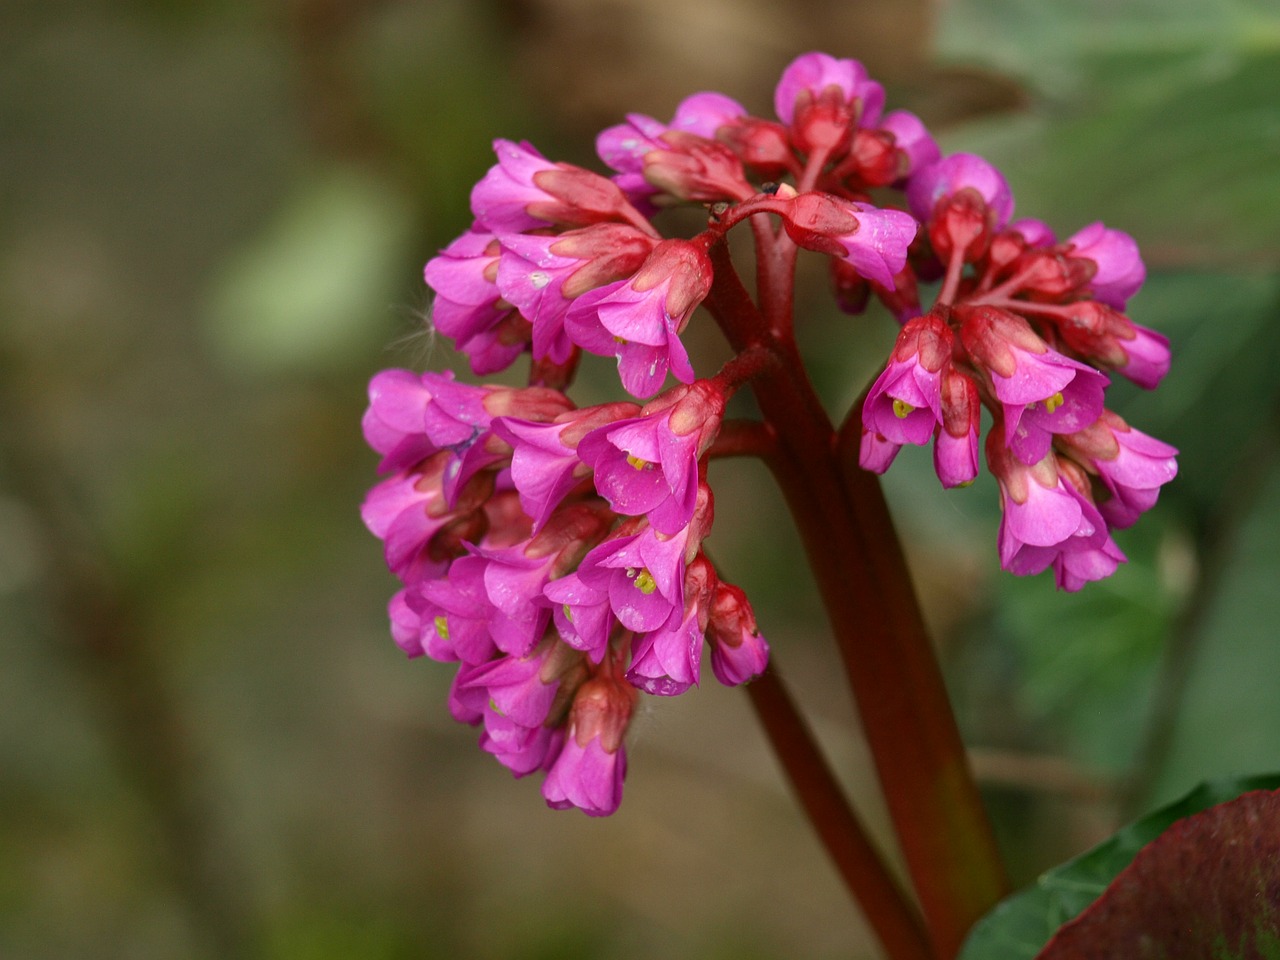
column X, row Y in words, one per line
column 555, row 553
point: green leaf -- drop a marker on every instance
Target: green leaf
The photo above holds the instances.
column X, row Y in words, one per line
column 1020, row 926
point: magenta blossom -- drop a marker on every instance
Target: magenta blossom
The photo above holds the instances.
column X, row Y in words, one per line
column 468, row 307
column 1120, row 268
column 1132, row 466
column 648, row 465
column 875, row 452
column 905, row 403
column 525, row 191
column 873, row 240
column 955, row 446
column 911, row 137
column 1042, row 391
column 623, row 147
column 822, row 98
column 666, row 662
column 639, row 320
column 541, row 275
column 954, row 173
column 545, row 464
column 738, row 651
column 592, row 764
column 1147, row 357
column 1047, row 521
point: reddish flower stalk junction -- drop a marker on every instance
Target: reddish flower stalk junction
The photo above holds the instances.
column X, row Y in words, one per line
column 555, row 552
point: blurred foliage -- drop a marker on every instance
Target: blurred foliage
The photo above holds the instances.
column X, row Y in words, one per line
column 212, row 224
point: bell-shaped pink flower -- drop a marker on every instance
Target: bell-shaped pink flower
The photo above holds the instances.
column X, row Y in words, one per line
column 954, row 173
column 639, row 320
column 623, row 147
column 823, row 99
column 468, row 307
column 545, row 464
column 541, row 275
column 955, row 447
column 522, row 750
column 405, row 511
column 1147, row 357
column 1120, row 268
column 905, row 402
column 666, row 662
column 738, row 651
column 1042, row 391
column 648, row 465
column 1047, row 521
column 873, row 240
column 875, row 453
column 912, row 138
column 1132, row 466
column 592, row 764
column 581, row 612
column 525, row 191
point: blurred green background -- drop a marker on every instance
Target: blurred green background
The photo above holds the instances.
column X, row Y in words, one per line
column 213, row 217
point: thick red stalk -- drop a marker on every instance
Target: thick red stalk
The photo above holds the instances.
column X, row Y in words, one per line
column 889, row 912
column 897, row 685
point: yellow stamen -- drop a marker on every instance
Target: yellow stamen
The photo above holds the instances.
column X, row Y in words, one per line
column 645, row 582
column 494, row 707
column 568, row 614
column 1053, row 403
column 638, row 463
column 902, row 409
column 442, row 627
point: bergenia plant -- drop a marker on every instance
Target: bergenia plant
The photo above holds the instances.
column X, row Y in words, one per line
column 556, row 553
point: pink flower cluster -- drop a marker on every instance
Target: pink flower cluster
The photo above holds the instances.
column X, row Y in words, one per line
column 555, row 552
column 1028, row 328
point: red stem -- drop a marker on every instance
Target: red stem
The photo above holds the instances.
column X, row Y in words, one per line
column 890, row 914
column 889, row 662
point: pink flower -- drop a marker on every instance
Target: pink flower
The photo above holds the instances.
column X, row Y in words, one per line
column 541, row 275
column 818, row 93
column 623, row 147
column 912, row 138
column 1120, row 268
column 648, row 465
column 458, row 610
column 522, row 750
column 639, row 320
column 525, row 191
column 1047, row 521
column 405, row 511
column 586, row 776
column 954, row 173
column 582, row 615
column 592, row 764
column 545, row 464
column 468, row 307
column 1132, row 466
column 873, row 240
column 643, row 574
column 666, row 662
column 1147, row 357
column 905, row 403
column 1042, row 392
column 955, row 448
column 738, row 651
column 875, row 452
